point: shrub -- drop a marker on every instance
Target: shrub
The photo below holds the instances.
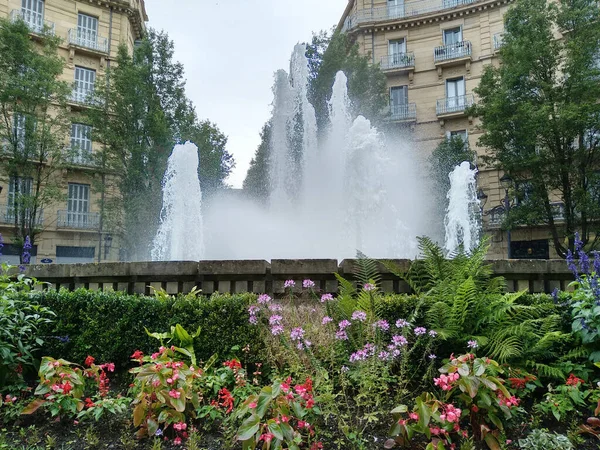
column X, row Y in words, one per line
column 543, row 440
column 110, row 325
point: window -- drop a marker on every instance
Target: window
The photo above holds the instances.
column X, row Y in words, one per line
column 453, row 36
column 395, row 8
column 462, row 134
column 19, row 130
column 524, row 191
column 78, row 205
column 19, row 189
column 81, row 143
column 87, row 31
column 399, row 101
column 33, row 14
column 396, row 49
column 74, row 255
column 11, row 254
column 85, row 81
column 455, row 94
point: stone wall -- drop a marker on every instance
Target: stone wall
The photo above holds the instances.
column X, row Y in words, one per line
column 535, row 276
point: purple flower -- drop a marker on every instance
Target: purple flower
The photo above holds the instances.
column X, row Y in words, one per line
column 253, row 309
column 275, row 307
column 263, row 299
column 158, row 432
column 307, row 343
column 473, row 344
column 326, row 298
column 399, row 341
column 401, row 323
column 432, row 356
column 361, row 316
column 345, row 369
column 433, row 333
column 341, row 335
column 382, row 325
column 571, row 264
column 369, row 287
column 296, row 334
column 308, row 284
column 555, row 295
column 275, row 319
column 289, row 284
column 395, row 352
column 370, row 349
column 277, row 330
column 383, row 355
column 359, row 355
column 420, row 331
column 596, row 259
column 584, row 262
column 253, row 320
column 578, row 242
column 326, row 320
column 344, row 324
column 300, row 345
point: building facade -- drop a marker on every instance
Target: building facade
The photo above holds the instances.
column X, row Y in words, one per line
column 433, row 53
column 91, row 32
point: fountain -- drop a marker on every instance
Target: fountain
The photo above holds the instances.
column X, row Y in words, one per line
column 180, row 234
column 353, row 188
column 463, row 217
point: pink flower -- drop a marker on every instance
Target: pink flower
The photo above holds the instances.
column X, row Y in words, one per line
column 326, row 320
column 308, row 284
column 177, row 441
column 110, row 367
column 174, row 394
column 289, row 284
column 263, row 299
column 326, row 298
column 252, row 405
column 414, row 416
column 169, row 380
column 369, row 287
column 156, row 383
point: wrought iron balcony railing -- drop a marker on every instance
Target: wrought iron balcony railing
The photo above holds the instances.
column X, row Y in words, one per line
column 408, row 9
column 34, row 21
column 496, row 215
column 88, row 39
column 9, row 214
column 452, row 51
column 78, row 220
column 406, row 112
column 398, row 61
column 85, row 97
column 450, row 105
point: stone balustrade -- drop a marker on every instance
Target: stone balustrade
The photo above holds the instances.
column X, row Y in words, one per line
column 258, row 276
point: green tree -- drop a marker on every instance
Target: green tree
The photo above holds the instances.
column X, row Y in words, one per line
column 33, row 125
column 216, row 163
column 256, row 183
column 367, row 85
column 540, row 116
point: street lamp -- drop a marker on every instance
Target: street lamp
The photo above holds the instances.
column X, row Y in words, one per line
column 506, row 182
column 482, row 197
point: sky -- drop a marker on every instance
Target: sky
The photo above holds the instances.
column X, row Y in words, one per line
column 230, row 50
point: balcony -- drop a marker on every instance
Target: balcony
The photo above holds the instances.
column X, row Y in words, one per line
column 452, row 53
column 498, row 41
column 398, row 12
column 80, row 158
column 78, row 220
column 11, row 215
column 496, row 215
column 403, row 113
column 87, row 40
column 84, row 98
column 398, row 62
column 34, row 21
column 450, row 106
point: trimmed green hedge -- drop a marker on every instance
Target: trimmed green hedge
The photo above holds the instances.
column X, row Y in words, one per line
column 110, row 326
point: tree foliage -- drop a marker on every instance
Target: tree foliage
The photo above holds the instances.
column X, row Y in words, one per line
column 540, row 116
column 33, row 125
column 256, row 183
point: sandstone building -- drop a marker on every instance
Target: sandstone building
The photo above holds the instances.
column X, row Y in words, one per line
column 91, row 32
column 433, row 53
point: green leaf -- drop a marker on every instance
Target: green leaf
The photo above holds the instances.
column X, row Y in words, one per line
column 152, row 426
column 478, row 367
column 495, row 420
column 400, row 409
column 249, row 428
column 275, row 429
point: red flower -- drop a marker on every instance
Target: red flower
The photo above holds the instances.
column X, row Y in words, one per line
column 138, row 356
column 66, row 388
column 174, row 394
column 89, row 403
column 316, row 446
column 234, row 364
column 574, row 381
column 89, row 361
column 227, row 399
column 518, row 383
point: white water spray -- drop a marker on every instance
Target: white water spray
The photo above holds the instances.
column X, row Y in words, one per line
column 180, row 234
column 463, row 226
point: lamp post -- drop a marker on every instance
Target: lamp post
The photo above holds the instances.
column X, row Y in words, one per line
column 506, row 182
column 483, row 198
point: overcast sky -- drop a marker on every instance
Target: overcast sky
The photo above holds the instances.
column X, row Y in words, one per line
column 230, row 50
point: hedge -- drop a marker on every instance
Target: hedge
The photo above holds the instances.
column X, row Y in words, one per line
column 110, row 325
